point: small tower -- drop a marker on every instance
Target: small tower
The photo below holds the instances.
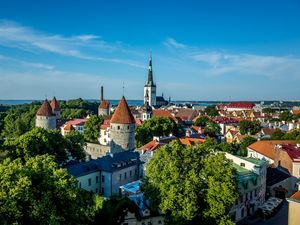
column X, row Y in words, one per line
column 104, row 107
column 122, row 128
column 146, row 109
column 45, row 118
column 55, row 107
column 150, row 86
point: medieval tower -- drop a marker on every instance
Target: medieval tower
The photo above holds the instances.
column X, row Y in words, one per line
column 122, row 127
column 55, row 107
column 45, row 118
column 150, row 87
column 104, row 107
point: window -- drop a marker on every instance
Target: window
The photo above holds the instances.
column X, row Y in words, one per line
column 97, row 179
column 135, row 171
column 242, row 164
column 128, row 127
column 242, row 213
column 279, row 163
column 120, row 177
column 103, row 178
column 118, row 127
column 90, row 181
column 130, row 173
column 125, row 175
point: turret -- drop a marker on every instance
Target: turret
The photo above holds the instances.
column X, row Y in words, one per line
column 122, row 128
column 55, row 107
column 104, row 107
column 45, row 118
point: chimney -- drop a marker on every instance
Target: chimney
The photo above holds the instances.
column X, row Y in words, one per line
column 101, row 94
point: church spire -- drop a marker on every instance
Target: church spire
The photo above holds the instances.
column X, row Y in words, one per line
column 150, row 75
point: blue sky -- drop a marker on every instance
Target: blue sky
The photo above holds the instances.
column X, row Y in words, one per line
column 202, row 50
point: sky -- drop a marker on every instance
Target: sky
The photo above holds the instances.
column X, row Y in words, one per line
column 221, row 50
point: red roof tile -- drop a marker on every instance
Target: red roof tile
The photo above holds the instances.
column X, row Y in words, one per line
column 45, row 109
column 247, row 105
column 122, row 113
column 54, row 105
column 163, row 113
column 296, row 196
column 68, row 127
column 104, row 104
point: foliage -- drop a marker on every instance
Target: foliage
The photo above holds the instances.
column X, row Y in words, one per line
column 76, row 143
column 286, row 116
column 92, row 128
column 37, row 192
column 77, row 108
column 191, row 184
column 19, row 120
column 231, row 148
column 268, row 110
column 249, row 127
column 2, row 117
column 212, row 129
column 211, row 110
column 156, row 126
column 40, row 141
column 201, row 121
column 277, row 135
column 248, row 140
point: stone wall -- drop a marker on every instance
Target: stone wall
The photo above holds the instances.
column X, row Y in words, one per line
column 122, row 137
column 46, row 122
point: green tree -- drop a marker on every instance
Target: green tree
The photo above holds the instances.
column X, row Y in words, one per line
column 201, row 121
column 212, row 129
column 156, row 126
column 277, row 135
column 249, row 127
column 286, row 116
column 37, row 192
column 268, row 110
column 291, row 135
column 191, row 184
column 92, row 128
column 42, row 141
column 76, row 143
column 248, row 140
column 211, row 110
column 228, row 147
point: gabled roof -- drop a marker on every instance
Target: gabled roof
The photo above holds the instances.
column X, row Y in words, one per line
column 54, row 105
column 122, row 114
column 163, row 113
column 105, row 125
column 267, row 148
column 45, row 109
column 186, row 114
column 247, row 105
column 68, row 127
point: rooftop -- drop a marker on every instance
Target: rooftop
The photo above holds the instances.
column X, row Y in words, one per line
column 122, row 114
column 45, row 109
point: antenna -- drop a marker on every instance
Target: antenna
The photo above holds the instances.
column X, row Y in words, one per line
column 123, row 87
column 45, row 96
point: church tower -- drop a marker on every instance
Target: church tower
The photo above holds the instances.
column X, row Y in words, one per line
column 122, row 128
column 150, row 87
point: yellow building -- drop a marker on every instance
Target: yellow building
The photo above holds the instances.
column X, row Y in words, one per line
column 294, row 209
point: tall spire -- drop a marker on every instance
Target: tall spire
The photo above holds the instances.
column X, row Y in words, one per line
column 150, row 75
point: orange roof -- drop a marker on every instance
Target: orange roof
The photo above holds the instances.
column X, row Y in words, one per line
column 296, row 196
column 68, row 127
column 122, row 114
column 267, row 148
column 105, row 125
column 191, row 141
column 186, row 114
column 45, row 109
column 54, row 105
column 296, row 111
column 163, row 113
column 104, row 104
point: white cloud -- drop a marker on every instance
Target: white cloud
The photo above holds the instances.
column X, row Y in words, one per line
column 25, row 38
column 172, row 43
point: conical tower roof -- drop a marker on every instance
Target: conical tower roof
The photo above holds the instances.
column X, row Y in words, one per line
column 122, row 114
column 54, row 105
column 45, row 109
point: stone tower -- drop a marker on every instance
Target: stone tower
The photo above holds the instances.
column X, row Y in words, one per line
column 55, row 107
column 150, row 87
column 45, row 118
column 104, row 107
column 122, row 128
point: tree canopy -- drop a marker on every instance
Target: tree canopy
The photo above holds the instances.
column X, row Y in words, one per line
column 191, row 184
column 248, row 140
column 37, row 192
column 211, row 110
column 286, row 116
column 92, row 128
column 249, row 127
column 156, row 126
column 201, row 121
column 41, row 141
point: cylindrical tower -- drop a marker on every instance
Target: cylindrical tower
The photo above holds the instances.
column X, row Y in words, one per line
column 45, row 118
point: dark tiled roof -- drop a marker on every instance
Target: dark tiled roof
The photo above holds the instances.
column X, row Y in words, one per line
column 108, row 163
column 45, row 109
column 122, row 114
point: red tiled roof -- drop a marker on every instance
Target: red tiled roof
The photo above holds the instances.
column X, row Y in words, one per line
column 76, row 122
column 247, row 105
column 292, row 150
column 138, row 121
column 68, row 127
column 191, row 140
column 296, row 111
column 45, row 109
column 267, row 148
column 224, row 120
column 186, row 114
column 296, row 196
column 105, row 125
column 163, row 113
column 54, row 105
column 122, row 113
column 104, row 104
